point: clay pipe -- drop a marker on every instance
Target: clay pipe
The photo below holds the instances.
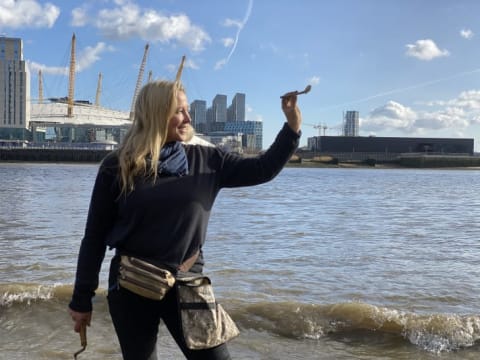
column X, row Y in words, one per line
column 304, row 91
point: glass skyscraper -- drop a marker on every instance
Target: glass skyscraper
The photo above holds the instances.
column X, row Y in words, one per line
column 198, row 112
column 236, row 111
column 351, row 125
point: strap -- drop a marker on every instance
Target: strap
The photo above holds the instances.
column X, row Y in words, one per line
column 187, row 264
column 198, row 306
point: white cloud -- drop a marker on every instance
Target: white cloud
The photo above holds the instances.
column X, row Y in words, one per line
column 52, row 70
column 86, row 58
column 227, row 42
column 476, row 120
column 220, row 64
column 191, row 64
column 466, row 33
column 233, row 23
column 173, row 68
column 425, row 50
column 79, row 17
column 392, row 115
column 456, row 115
column 469, row 100
column 128, row 20
column 314, row 80
column 27, row 13
column 251, row 115
column 448, row 118
column 91, row 55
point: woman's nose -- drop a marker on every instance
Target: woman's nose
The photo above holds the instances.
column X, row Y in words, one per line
column 188, row 118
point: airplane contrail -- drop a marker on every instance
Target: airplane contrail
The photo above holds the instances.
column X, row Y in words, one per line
column 395, row 91
column 245, row 19
column 237, row 36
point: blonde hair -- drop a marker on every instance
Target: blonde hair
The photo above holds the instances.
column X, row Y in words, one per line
column 155, row 105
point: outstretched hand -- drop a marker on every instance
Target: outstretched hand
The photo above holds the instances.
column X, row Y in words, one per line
column 291, row 111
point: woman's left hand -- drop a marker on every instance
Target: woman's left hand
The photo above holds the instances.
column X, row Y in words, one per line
column 80, row 319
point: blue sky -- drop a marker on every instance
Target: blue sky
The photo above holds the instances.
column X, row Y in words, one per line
column 410, row 67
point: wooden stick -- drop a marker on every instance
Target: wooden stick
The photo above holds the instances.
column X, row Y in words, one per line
column 83, row 340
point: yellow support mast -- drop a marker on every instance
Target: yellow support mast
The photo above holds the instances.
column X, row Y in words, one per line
column 99, row 90
column 139, row 82
column 71, row 80
column 40, row 87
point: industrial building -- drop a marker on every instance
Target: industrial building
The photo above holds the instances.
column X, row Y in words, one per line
column 352, row 147
column 387, row 148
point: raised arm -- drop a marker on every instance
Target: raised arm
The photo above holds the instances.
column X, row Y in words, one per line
column 245, row 171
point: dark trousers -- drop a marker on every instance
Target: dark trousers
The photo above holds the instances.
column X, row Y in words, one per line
column 136, row 320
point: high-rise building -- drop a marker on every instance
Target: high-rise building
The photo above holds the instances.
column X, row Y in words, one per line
column 219, row 109
column 236, row 111
column 221, row 123
column 217, row 113
column 14, row 90
column 198, row 113
column 351, row 125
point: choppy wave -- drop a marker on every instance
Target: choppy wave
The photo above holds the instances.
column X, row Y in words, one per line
column 27, row 293
column 434, row 333
column 431, row 332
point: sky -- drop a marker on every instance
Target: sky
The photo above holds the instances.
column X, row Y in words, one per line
column 411, row 68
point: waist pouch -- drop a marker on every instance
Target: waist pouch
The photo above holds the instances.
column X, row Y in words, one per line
column 143, row 278
column 204, row 322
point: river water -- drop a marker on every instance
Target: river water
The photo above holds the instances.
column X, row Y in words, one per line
column 317, row 264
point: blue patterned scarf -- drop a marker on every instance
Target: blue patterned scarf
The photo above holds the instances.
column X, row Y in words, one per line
column 173, row 160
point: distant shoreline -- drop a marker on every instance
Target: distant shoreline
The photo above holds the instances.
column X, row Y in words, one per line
column 66, row 155
column 377, row 166
column 420, row 162
column 53, row 155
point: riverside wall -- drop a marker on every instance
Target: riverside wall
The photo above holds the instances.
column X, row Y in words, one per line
column 407, row 160
column 52, row 155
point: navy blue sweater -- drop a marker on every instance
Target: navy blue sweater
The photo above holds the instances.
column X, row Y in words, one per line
column 166, row 222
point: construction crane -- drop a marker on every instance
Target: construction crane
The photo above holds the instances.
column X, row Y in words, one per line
column 139, row 81
column 320, row 127
column 324, row 127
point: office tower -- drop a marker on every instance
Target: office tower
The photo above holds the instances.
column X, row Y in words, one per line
column 236, row 111
column 198, row 112
column 14, row 90
column 217, row 114
column 351, row 125
column 219, row 108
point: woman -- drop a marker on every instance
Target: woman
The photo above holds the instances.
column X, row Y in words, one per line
column 152, row 200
